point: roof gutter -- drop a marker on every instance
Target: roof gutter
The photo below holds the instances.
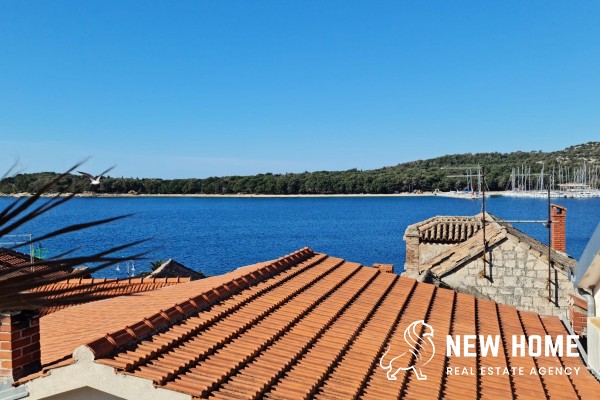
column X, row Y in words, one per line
column 10, row 392
column 591, row 302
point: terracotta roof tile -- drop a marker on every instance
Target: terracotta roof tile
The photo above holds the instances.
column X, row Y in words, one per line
column 458, row 255
column 11, row 259
column 465, row 250
column 466, row 235
column 448, row 229
column 101, row 288
column 310, row 326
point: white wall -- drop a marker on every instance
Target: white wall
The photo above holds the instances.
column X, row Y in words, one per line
column 86, row 375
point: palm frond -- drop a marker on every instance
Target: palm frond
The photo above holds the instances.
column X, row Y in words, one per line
column 18, row 283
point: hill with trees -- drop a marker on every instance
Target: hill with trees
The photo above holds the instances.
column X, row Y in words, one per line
column 421, row 175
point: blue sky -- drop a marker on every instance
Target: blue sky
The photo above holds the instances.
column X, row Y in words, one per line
column 198, row 88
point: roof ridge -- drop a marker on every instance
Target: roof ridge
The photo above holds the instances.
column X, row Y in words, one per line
column 112, row 341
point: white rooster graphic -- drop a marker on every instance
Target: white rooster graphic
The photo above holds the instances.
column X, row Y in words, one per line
column 418, row 350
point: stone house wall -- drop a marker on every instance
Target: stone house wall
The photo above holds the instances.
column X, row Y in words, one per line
column 418, row 253
column 428, row 251
column 519, row 277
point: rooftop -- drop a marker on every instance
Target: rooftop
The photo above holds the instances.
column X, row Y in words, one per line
column 305, row 325
column 11, row 260
column 467, row 236
column 101, row 288
column 448, row 229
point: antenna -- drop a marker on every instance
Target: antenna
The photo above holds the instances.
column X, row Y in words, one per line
column 469, row 175
column 15, row 240
column 548, row 224
column 481, row 190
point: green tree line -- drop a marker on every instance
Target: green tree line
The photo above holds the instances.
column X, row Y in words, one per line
column 422, row 175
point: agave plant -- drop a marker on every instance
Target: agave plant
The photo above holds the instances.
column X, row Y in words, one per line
column 16, row 289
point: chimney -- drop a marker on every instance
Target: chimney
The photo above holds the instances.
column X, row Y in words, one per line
column 559, row 224
column 412, row 239
column 19, row 344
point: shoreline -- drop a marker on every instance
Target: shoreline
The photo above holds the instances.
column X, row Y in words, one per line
column 126, row 195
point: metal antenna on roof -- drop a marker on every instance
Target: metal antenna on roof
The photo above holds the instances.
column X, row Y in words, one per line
column 548, row 224
column 20, row 239
column 469, row 175
column 480, row 192
column 483, row 218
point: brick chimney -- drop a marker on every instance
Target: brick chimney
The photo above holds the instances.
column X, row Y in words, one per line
column 412, row 239
column 19, row 344
column 559, row 225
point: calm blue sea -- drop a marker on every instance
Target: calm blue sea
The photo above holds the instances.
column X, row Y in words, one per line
column 215, row 235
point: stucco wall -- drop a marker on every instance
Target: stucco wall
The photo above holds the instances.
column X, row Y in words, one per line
column 87, row 375
column 593, row 329
column 518, row 278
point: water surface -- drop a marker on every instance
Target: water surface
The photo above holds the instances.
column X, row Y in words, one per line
column 215, row 235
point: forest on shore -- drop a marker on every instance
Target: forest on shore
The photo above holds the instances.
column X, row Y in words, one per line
column 421, row 175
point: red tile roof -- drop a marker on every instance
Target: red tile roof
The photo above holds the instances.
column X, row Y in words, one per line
column 307, row 325
column 467, row 238
column 448, row 229
column 10, row 260
column 97, row 289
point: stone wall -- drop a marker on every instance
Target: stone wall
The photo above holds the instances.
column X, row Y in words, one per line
column 428, row 251
column 519, row 278
column 418, row 253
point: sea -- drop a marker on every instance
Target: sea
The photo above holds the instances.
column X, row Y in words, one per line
column 216, row 235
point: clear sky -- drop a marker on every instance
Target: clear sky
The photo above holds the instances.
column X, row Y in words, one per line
column 198, row 88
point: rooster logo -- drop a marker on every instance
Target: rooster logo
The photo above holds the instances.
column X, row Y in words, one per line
column 420, row 351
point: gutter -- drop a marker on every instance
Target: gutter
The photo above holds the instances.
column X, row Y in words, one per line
column 10, row 392
column 591, row 302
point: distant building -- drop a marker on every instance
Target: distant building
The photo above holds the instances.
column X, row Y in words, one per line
column 306, row 325
column 173, row 269
column 449, row 251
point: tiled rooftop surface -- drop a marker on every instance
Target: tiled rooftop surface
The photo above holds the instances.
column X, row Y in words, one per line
column 11, row 259
column 467, row 236
column 448, row 229
column 97, row 289
column 92, row 320
column 455, row 256
column 307, row 326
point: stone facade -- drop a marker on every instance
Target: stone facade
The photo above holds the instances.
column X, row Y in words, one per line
column 430, row 238
column 449, row 252
column 518, row 276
